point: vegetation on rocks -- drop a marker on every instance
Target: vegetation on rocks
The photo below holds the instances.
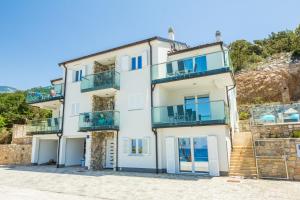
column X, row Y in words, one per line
column 15, row 110
column 245, row 54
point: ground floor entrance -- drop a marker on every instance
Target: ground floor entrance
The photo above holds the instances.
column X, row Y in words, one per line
column 44, row 151
column 193, row 154
column 74, row 151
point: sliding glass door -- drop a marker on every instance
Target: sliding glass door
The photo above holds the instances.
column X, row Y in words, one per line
column 193, row 154
column 185, row 155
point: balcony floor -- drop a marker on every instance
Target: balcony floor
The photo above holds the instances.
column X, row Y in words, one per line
column 102, row 128
column 43, row 132
column 186, row 124
column 191, row 75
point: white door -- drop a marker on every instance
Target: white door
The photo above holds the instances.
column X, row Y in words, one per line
column 170, row 154
column 109, row 158
column 213, row 157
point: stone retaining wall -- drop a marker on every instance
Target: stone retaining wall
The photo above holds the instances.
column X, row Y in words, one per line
column 274, row 131
column 271, row 155
column 12, row 154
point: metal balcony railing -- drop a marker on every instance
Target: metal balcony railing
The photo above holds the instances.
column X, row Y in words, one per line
column 211, row 112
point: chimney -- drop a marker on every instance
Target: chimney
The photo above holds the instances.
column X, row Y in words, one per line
column 218, row 36
column 171, row 34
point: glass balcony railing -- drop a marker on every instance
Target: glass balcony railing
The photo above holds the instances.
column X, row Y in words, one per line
column 41, row 94
column 206, row 113
column 102, row 120
column 103, row 80
column 44, row 126
column 275, row 114
column 192, row 67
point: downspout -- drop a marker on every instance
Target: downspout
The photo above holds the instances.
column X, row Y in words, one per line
column 117, row 152
column 153, row 130
column 59, row 135
column 230, row 129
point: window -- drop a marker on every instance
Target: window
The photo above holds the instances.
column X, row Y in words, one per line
column 133, row 63
column 75, row 109
column 136, row 101
column 136, row 63
column 77, row 75
column 137, row 146
column 140, row 62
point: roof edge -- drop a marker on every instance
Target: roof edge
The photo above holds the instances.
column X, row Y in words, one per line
column 196, row 47
column 122, row 47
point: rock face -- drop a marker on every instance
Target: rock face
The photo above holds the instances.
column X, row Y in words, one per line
column 277, row 80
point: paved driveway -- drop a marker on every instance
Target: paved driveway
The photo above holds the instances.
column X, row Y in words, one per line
column 47, row 183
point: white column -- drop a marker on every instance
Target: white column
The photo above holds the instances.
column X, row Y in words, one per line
column 62, row 153
column 35, row 150
column 88, row 146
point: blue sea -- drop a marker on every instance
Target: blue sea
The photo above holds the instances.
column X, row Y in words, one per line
column 201, row 155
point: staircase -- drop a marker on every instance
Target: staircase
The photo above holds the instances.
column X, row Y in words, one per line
column 242, row 161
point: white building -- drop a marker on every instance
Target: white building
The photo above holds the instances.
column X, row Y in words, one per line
column 154, row 105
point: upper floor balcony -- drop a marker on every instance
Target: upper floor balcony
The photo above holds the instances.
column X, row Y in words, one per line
column 105, row 82
column 45, row 94
column 101, row 120
column 190, row 114
column 191, row 67
column 44, row 126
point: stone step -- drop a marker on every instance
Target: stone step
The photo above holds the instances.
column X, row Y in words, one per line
column 243, row 147
column 242, row 161
column 242, row 158
column 242, row 168
column 243, row 175
column 249, row 154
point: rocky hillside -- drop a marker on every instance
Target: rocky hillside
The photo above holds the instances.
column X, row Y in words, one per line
column 7, row 89
column 276, row 79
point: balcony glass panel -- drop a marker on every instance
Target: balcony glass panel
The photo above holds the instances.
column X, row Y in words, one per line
column 102, row 120
column 46, row 126
column 211, row 112
column 190, row 67
column 42, row 94
column 103, row 80
column 276, row 114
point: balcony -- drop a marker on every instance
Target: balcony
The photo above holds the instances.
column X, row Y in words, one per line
column 206, row 113
column 276, row 114
column 44, row 126
column 192, row 67
column 97, row 121
column 44, row 94
column 108, row 80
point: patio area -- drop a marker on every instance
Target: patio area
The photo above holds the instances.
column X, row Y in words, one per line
column 47, row 182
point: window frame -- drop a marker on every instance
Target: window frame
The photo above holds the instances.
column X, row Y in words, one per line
column 139, row 62
column 133, row 63
column 138, row 145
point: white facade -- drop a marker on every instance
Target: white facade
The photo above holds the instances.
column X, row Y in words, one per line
column 134, row 140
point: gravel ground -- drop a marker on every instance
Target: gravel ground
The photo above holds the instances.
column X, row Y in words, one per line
column 24, row 183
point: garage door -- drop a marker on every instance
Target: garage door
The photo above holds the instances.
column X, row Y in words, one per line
column 74, row 151
column 47, row 151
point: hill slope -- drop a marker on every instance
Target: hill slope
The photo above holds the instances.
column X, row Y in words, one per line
column 7, row 89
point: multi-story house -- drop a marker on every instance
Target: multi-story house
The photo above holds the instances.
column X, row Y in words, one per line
column 156, row 105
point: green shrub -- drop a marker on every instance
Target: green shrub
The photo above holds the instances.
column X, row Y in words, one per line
column 296, row 134
column 244, row 115
column 296, row 55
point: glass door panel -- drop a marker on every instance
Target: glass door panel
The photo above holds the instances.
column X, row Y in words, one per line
column 185, row 155
column 200, row 64
column 190, row 108
column 204, row 113
column 200, row 154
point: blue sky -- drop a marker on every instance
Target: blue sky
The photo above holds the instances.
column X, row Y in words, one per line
column 35, row 35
